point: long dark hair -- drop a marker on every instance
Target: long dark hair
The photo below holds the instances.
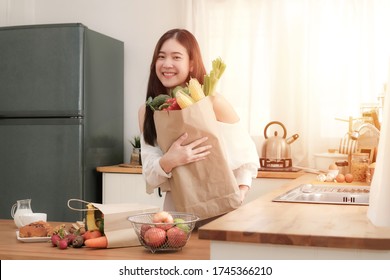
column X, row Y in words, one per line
column 155, row 87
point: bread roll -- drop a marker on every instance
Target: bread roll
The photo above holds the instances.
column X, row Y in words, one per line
column 36, row 229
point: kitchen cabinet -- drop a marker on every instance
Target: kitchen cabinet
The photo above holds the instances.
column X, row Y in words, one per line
column 262, row 186
column 129, row 188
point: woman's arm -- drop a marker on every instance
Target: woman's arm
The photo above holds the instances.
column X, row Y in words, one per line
column 224, row 111
column 141, row 117
column 244, row 175
column 154, row 175
column 242, row 153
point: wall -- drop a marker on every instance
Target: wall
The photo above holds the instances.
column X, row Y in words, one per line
column 138, row 23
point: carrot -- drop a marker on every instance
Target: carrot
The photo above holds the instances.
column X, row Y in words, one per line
column 98, row 242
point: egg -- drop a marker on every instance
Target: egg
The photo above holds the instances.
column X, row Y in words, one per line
column 340, row 178
column 332, row 167
column 349, row 178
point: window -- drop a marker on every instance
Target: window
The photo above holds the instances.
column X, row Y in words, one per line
column 302, row 62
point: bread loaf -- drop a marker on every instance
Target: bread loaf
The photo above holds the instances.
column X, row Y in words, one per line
column 36, row 229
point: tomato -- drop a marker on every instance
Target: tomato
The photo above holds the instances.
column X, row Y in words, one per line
column 91, row 234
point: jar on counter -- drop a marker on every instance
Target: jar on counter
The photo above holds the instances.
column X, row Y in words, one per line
column 342, row 165
column 359, row 166
column 370, row 173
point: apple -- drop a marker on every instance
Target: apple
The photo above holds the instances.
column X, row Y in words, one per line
column 144, row 228
column 163, row 217
column 155, row 237
column 176, row 237
column 180, row 223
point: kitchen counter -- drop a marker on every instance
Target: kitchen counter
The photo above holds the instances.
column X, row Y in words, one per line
column 13, row 249
column 266, row 229
column 121, row 168
column 261, row 229
column 137, row 169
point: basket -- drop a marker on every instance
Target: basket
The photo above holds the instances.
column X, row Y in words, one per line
column 163, row 236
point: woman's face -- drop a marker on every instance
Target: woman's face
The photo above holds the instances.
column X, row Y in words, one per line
column 173, row 64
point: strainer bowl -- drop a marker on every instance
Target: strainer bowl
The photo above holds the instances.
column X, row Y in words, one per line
column 158, row 237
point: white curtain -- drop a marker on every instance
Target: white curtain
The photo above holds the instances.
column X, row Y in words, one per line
column 301, row 62
column 379, row 207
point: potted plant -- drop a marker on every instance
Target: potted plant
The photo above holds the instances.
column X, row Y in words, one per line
column 136, row 153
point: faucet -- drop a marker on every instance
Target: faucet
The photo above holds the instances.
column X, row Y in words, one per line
column 356, row 133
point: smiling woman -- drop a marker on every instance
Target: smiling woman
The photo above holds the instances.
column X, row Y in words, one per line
column 190, row 153
column 303, row 63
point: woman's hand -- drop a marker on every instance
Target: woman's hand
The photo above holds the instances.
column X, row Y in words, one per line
column 243, row 189
column 179, row 154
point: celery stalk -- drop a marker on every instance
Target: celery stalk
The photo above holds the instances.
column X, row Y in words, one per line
column 211, row 80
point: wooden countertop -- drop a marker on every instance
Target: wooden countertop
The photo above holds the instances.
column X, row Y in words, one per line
column 121, row 168
column 13, row 249
column 322, row 225
column 137, row 169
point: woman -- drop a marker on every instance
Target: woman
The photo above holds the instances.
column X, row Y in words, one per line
column 176, row 58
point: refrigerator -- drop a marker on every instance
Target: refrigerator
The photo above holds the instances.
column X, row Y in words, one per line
column 61, row 116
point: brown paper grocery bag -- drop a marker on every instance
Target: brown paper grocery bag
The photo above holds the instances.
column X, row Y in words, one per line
column 118, row 230
column 205, row 188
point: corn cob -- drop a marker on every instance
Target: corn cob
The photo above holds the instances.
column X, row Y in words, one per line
column 183, row 99
column 90, row 218
column 195, row 89
column 184, row 89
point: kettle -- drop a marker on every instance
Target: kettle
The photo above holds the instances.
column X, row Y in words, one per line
column 277, row 148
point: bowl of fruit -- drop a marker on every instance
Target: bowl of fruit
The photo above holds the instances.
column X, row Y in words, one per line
column 163, row 231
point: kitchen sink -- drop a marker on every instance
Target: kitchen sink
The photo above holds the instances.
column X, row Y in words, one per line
column 327, row 194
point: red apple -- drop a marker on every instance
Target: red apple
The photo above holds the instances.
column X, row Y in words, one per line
column 176, row 237
column 155, row 237
column 144, row 228
column 165, row 218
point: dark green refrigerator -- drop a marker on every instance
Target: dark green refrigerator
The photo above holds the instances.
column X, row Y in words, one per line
column 61, row 115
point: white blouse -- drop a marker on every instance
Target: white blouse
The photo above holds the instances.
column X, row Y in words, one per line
column 240, row 149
